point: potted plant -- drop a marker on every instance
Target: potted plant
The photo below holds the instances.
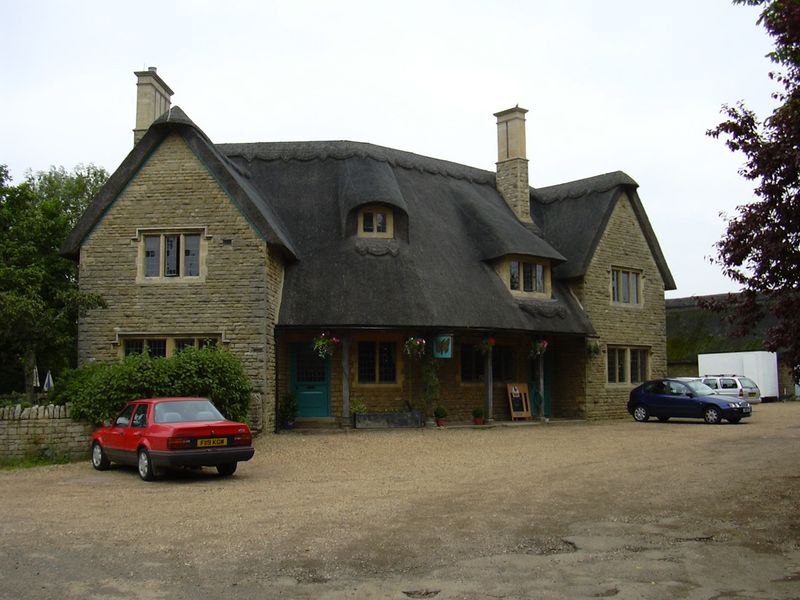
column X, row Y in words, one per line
column 439, row 413
column 325, row 344
column 477, row 415
column 287, row 410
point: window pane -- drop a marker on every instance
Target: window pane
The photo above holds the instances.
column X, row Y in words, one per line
column 140, row 416
column 527, row 277
column 502, row 363
column 208, row 342
column 539, row 287
column 368, row 225
column 635, row 367
column 183, row 344
column 380, row 222
column 134, row 347
column 514, row 281
column 387, row 372
column 620, row 365
column 152, row 258
column 614, row 285
column 157, row 348
column 634, row 288
column 191, row 255
column 472, row 363
column 172, row 251
column 624, row 285
column 366, row 362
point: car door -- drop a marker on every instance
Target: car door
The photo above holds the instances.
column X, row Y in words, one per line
column 659, row 401
column 113, row 442
column 132, row 434
column 682, row 400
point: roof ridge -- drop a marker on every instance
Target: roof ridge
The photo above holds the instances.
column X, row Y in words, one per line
column 582, row 187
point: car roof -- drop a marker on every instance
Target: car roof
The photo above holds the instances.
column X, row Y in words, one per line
column 155, row 400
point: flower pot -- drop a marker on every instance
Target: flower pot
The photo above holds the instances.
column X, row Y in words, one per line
column 440, row 422
column 478, row 420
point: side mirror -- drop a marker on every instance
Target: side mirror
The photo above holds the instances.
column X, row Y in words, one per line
column 690, row 394
column 107, row 423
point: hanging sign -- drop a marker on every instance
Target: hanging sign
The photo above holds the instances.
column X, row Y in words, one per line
column 443, row 346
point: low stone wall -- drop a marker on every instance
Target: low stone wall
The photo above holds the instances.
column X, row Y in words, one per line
column 42, row 431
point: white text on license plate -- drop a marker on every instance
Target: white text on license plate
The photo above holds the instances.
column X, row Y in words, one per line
column 210, row 442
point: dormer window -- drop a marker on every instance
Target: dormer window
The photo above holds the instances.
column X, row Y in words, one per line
column 376, row 222
column 526, row 276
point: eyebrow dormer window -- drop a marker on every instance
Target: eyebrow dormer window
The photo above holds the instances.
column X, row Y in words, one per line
column 375, row 222
column 526, row 277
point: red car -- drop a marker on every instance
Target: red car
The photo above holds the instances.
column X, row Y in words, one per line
column 161, row 433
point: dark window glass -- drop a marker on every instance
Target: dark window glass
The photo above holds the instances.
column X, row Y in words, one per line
column 208, row 343
column 124, row 417
column 380, row 222
column 152, row 258
column 625, row 291
column 472, row 363
column 638, row 366
column 634, row 288
column 172, row 245
column 366, row 362
column 514, row 275
column 309, row 365
column 191, row 255
column 615, row 286
column 387, row 371
column 182, row 344
column 503, row 364
column 527, row 277
column 134, row 347
column 369, row 223
column 157, row 348
column 616, row 365
column 140, row 416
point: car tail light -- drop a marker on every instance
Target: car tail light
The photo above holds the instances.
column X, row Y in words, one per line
column 243, row 439
column 179, row 443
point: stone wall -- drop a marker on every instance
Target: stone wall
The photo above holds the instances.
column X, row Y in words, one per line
column 235, row 299
column 643, row 325
column 33, row 432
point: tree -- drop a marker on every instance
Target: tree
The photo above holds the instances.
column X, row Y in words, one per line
column 761, row 247
column 39, row 297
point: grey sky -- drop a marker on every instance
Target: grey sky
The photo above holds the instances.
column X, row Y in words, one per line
column 627, row 85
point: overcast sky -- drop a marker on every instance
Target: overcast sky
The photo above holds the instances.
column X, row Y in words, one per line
column 628, row 85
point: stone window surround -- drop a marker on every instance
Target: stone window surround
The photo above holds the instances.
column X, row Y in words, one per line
column 627, row 364
column 612, row 271
column 171, row 338
column 138, row 241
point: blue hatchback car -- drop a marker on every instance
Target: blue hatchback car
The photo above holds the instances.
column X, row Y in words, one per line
column 665, row 398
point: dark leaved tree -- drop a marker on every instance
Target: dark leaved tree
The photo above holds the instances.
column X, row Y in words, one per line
column 761, row 247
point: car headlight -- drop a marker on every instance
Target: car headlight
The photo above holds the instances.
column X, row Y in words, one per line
column 737, row 404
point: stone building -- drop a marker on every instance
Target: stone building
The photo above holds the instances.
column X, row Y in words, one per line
column 263, row 247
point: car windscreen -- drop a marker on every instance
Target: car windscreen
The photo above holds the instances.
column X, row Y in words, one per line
column 186, row 411
column 700, row 388
column 747, row 383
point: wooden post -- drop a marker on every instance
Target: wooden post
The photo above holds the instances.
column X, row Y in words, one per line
column 489, row 385
column 346, row 378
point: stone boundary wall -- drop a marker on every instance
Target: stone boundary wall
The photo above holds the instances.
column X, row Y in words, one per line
column 42, row 431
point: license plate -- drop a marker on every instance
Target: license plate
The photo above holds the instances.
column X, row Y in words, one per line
column 211, row 442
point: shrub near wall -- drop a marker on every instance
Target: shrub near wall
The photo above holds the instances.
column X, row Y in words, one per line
column 99, row 392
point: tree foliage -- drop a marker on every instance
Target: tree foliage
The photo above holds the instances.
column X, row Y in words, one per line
column 39, row 297
column 98, row 392
column 761, row 246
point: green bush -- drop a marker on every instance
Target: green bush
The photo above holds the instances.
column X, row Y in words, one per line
column 98, row 392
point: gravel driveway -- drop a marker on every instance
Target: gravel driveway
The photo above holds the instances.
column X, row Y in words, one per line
column 582, row 510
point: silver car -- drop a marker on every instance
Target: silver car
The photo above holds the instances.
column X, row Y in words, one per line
column 734, row 385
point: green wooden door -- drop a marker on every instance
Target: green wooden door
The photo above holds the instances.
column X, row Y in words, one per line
column 540, row 367
column 310, row 381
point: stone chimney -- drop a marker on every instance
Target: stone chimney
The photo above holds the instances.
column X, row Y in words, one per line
column 152, row 100
column 512, row 162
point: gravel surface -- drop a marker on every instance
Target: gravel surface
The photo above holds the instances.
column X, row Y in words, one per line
column 580, row 510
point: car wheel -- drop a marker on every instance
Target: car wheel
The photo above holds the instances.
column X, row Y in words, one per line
column 712, row 415
column 663, row 419
column 146, row 471
column 226, row 469
column 99, row 459
column 640, row 413
column 734, row 419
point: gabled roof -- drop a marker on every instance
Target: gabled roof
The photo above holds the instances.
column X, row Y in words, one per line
column 258, row 213
column 573, row 217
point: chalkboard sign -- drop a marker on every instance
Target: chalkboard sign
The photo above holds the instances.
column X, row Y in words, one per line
column 519, row 401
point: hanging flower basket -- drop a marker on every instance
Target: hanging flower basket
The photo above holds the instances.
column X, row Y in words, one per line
column 538, row 348
column 593, row 348
column 486, row 344
column 325, row 344
column 414, row 347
